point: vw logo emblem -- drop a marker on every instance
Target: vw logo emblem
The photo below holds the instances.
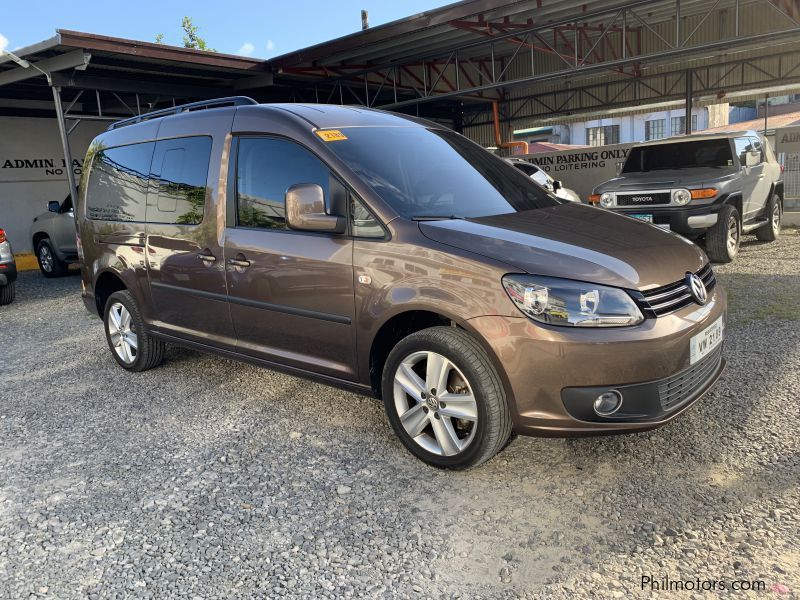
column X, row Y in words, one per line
column 696, row 288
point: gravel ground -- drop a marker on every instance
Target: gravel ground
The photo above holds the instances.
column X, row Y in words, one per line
column 207, row 478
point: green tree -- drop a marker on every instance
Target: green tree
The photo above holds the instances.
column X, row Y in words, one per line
column 190, row 37
column 159, row 38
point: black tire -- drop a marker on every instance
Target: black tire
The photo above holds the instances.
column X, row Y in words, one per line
column 49, row 263
column 717, row 238
column 7, row 293
column 774, row 212
column 492, row 429
column 149, row 350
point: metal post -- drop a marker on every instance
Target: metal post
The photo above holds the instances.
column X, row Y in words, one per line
column 689, row 84
column 62, row 129
column 677, row 23
column 766, row 112
column 624, row 34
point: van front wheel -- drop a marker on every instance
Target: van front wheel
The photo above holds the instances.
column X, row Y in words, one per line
column 445, row 400
column 131, row 345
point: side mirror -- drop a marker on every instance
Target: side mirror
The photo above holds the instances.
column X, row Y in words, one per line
column 305, row 210
column 557, row 185
column 620, row 164
column 53, row 206
column 752, row 158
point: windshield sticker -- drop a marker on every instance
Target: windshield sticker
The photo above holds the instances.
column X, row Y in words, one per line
column 331, row 135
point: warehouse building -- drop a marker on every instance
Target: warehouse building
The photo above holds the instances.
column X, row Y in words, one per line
column 486, row 68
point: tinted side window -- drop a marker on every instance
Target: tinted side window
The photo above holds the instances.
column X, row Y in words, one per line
column 117, row 188
column 265, row 169
column 742, row 146
column 180, row 170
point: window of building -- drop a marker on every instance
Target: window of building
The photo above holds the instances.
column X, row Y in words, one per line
column 654, row 129
column 602, row 136
column 180, row 170
column 678, row 126
column 117, row 188
column 266, row 168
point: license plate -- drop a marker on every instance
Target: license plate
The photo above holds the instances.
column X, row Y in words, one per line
column 704, row 342
column 645, row 218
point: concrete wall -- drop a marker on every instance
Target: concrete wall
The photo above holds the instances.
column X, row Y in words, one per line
column 32, row 171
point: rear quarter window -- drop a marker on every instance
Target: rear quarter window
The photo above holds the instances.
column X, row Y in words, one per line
column 179, row 176
column 118, row 181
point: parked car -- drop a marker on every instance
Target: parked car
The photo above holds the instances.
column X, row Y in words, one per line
column 53, row 238
column 8, row 270
column 543, row 178
column 709, row 187
column 391, row 256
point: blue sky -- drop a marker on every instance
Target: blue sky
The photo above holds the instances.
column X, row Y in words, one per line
column 262, row 29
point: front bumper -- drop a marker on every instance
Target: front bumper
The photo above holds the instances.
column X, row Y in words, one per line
column 690, row 221
column 554, row 374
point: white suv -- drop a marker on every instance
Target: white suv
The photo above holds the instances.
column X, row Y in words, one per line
column 54, row 239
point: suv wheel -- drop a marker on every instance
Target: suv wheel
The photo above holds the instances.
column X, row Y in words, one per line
column 49, row 264
column 132, row 347
column 444, row 399
column 7, row 293
column 722, row 240
column 771, row 231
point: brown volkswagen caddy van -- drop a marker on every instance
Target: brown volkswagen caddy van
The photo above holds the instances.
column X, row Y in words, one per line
column 396, row 258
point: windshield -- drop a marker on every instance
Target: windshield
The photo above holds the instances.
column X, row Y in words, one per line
column 681, row 155
column 431, row 173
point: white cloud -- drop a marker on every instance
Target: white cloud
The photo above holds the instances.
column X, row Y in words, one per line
column 247, row 49
column 3, row 42
column 270, row 45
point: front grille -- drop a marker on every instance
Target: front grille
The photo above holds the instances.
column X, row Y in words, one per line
column 669, row 298
column 643, row 198
column 673, row 391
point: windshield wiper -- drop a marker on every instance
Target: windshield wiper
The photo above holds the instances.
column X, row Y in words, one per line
column 435, row 217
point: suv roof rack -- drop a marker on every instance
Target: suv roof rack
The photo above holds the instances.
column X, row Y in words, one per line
column 203, row 104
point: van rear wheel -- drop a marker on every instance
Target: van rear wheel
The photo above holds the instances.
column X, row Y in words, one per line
column 445, row 400
column 131, row 345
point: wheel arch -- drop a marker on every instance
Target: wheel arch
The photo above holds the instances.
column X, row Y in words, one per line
column 411, row 320
column 106, row 283
column 38, row 237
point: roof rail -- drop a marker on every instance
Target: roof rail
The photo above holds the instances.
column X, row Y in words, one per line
column 165, row 112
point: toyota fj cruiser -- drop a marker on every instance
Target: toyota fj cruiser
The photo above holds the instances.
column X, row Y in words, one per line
column 715, row 187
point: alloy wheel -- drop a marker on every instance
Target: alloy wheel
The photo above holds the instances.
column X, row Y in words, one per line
column 46, row 258
column 776, row 218
column 123, row 338
column 733, row 235
column 435, row 403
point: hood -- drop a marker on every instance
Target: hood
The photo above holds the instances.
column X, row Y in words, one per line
column 575, row 241
column 656, row 180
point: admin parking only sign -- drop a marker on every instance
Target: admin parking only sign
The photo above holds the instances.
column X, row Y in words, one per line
column 788, row 140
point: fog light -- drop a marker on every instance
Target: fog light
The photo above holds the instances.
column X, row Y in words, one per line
column 607, row 403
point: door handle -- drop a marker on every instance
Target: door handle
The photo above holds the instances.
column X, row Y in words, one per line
column 206, row 256
column 239, row 261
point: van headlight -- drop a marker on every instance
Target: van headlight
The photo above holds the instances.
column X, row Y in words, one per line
column 571, row 303
column 607, row 200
